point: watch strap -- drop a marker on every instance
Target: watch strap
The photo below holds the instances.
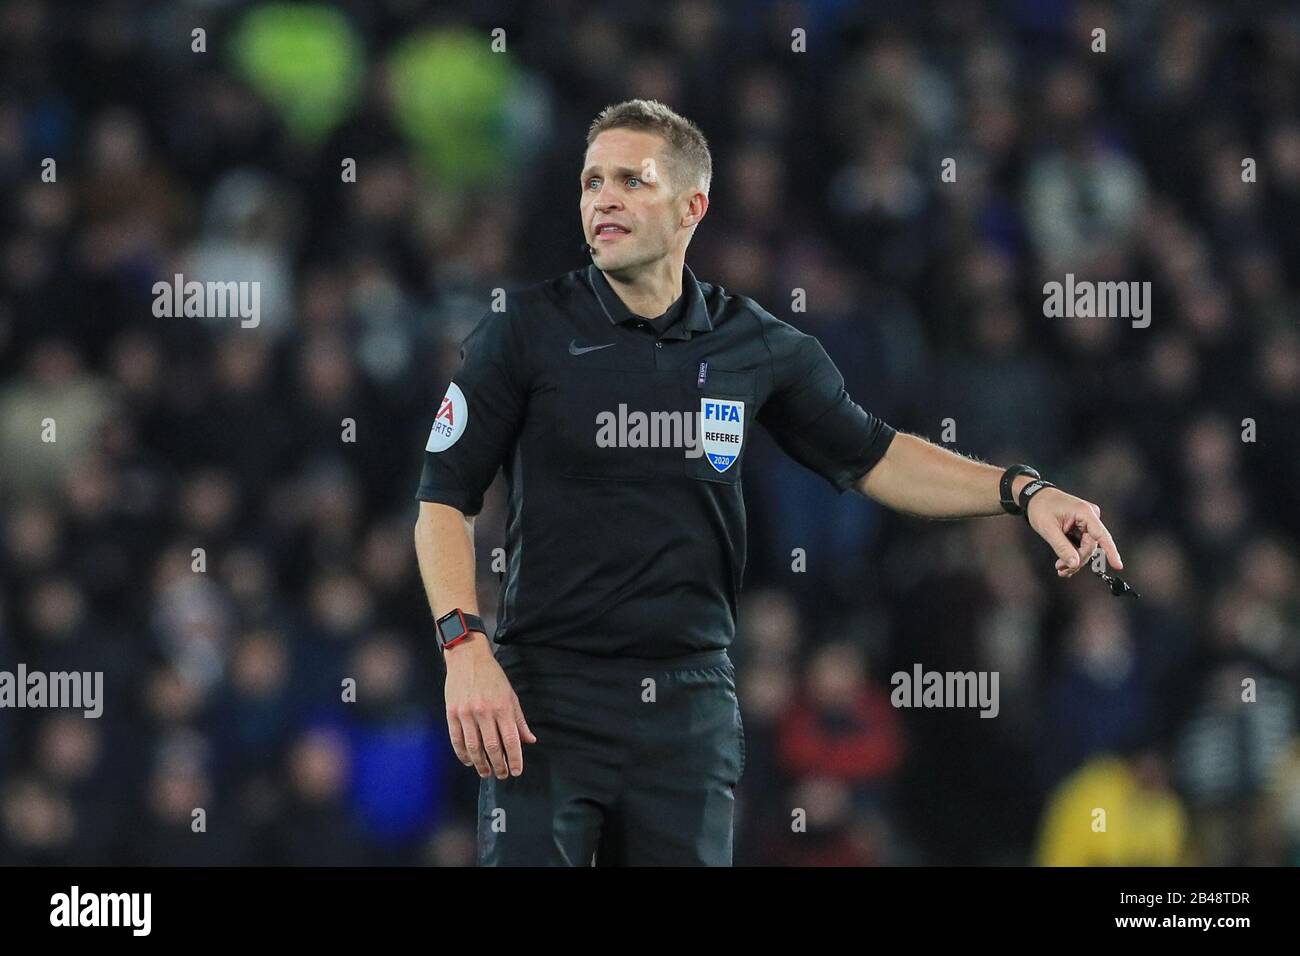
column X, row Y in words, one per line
column 1004, row 487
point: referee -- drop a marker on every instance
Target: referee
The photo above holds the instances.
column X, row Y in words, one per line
column 619, row 400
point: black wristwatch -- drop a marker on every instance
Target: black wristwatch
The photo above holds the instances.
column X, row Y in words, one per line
column 1004, row 487
column 456, row 626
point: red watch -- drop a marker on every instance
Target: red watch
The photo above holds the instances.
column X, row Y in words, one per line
column 456, row 626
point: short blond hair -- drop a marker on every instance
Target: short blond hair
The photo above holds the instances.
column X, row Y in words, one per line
column 688, row 150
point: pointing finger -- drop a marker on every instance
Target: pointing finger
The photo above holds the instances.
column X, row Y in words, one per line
column 1099, row 532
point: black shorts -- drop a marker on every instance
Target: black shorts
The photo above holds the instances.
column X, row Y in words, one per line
column 636, row 762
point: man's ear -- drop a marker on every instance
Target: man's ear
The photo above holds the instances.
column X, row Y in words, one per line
column 698, row 206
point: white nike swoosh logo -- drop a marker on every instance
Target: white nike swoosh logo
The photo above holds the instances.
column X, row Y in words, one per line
column 575, row 350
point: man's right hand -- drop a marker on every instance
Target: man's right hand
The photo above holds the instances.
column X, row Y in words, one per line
column 486, row 723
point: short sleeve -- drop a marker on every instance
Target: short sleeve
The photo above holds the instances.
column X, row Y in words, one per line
column 477, row 420
column 810, row 414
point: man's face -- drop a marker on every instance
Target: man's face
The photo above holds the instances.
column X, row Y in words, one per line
column 630, row 214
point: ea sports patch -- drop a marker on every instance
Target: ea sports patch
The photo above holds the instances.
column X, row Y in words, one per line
column 449, row 423
column 722, row 423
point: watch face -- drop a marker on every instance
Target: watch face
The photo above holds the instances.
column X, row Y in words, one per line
column 451, row 629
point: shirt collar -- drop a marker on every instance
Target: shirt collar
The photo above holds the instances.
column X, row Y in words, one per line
column 688, row 314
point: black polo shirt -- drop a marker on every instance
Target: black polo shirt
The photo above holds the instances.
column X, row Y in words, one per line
column 623, row 442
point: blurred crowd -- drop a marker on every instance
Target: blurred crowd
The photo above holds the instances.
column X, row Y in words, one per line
column 205, row 531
